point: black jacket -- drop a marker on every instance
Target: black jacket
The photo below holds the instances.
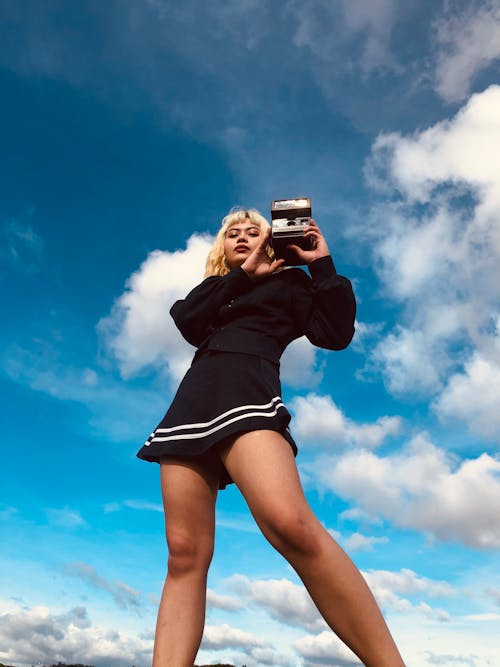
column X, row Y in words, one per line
column 233, row 313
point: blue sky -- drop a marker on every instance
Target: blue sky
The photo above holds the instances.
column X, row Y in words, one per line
column 128, row 129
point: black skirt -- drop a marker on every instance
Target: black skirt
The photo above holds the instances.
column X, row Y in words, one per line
column 222, row 395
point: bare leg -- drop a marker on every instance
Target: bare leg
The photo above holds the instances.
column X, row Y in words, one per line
column 262, row 465
column 189, row 493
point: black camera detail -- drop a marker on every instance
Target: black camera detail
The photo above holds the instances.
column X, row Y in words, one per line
column 289, row 221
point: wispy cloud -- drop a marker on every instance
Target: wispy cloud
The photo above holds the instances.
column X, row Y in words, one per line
column 124, row 596
column 113, row 405
column 141, row 505
column 20, row 245
column 467, row 42
column 366, row 30
column 65, row 517
column 7, row 511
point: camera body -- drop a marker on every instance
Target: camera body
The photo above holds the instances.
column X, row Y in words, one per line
column 289, row 221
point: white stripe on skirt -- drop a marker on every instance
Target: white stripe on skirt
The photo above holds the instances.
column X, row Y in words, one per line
column 174, row 430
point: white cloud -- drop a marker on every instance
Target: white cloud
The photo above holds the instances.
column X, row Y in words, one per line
column 282, row 599
column 462, row 150
column 409, row 583
column 325, row 649
column 225, row 636
column 474, row 396
column 447, row 658
column 36, row 636
column 392, row 590
column 410, row 364
column 360, row 542
column 466, row 44
column 139, row 331
column 289, row 603
column 298, row 365
column 267, row 656
column 318, row 419
column 365, row 333
column 215, row 600
column 421, row 487
column 437, row 242
column 483, row 617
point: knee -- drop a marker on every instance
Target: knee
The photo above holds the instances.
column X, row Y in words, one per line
column 294, row 533
column 188, row 554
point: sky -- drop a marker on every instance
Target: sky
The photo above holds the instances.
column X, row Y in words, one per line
column 128, row 130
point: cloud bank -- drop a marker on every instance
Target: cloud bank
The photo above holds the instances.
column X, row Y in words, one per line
column 421, row 487
column 437, row 252
column 32, row 635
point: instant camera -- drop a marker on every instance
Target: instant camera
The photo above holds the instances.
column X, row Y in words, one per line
column 289, row 221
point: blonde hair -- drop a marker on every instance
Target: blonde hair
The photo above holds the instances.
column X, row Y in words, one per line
column 216, row 260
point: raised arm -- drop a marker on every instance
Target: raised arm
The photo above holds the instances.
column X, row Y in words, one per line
column 325, row 303
column 327, row 306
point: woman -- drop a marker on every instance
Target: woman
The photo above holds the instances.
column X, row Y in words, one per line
column 227, row 423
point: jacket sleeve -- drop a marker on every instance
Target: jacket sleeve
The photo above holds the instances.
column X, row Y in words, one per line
column 326, row 306
column 195, row 314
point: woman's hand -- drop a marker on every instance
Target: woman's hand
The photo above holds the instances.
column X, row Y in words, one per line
column 319, row 245
column 258, row 264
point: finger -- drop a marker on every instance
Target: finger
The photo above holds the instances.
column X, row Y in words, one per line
column 297, row 250
column 313, row 232
column 276, row 265
column 265, row 236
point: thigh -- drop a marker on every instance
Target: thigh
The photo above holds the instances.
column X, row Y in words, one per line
column 189, row 491
column 262, row 465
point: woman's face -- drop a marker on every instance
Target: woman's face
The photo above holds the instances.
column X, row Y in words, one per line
column 241, row 239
